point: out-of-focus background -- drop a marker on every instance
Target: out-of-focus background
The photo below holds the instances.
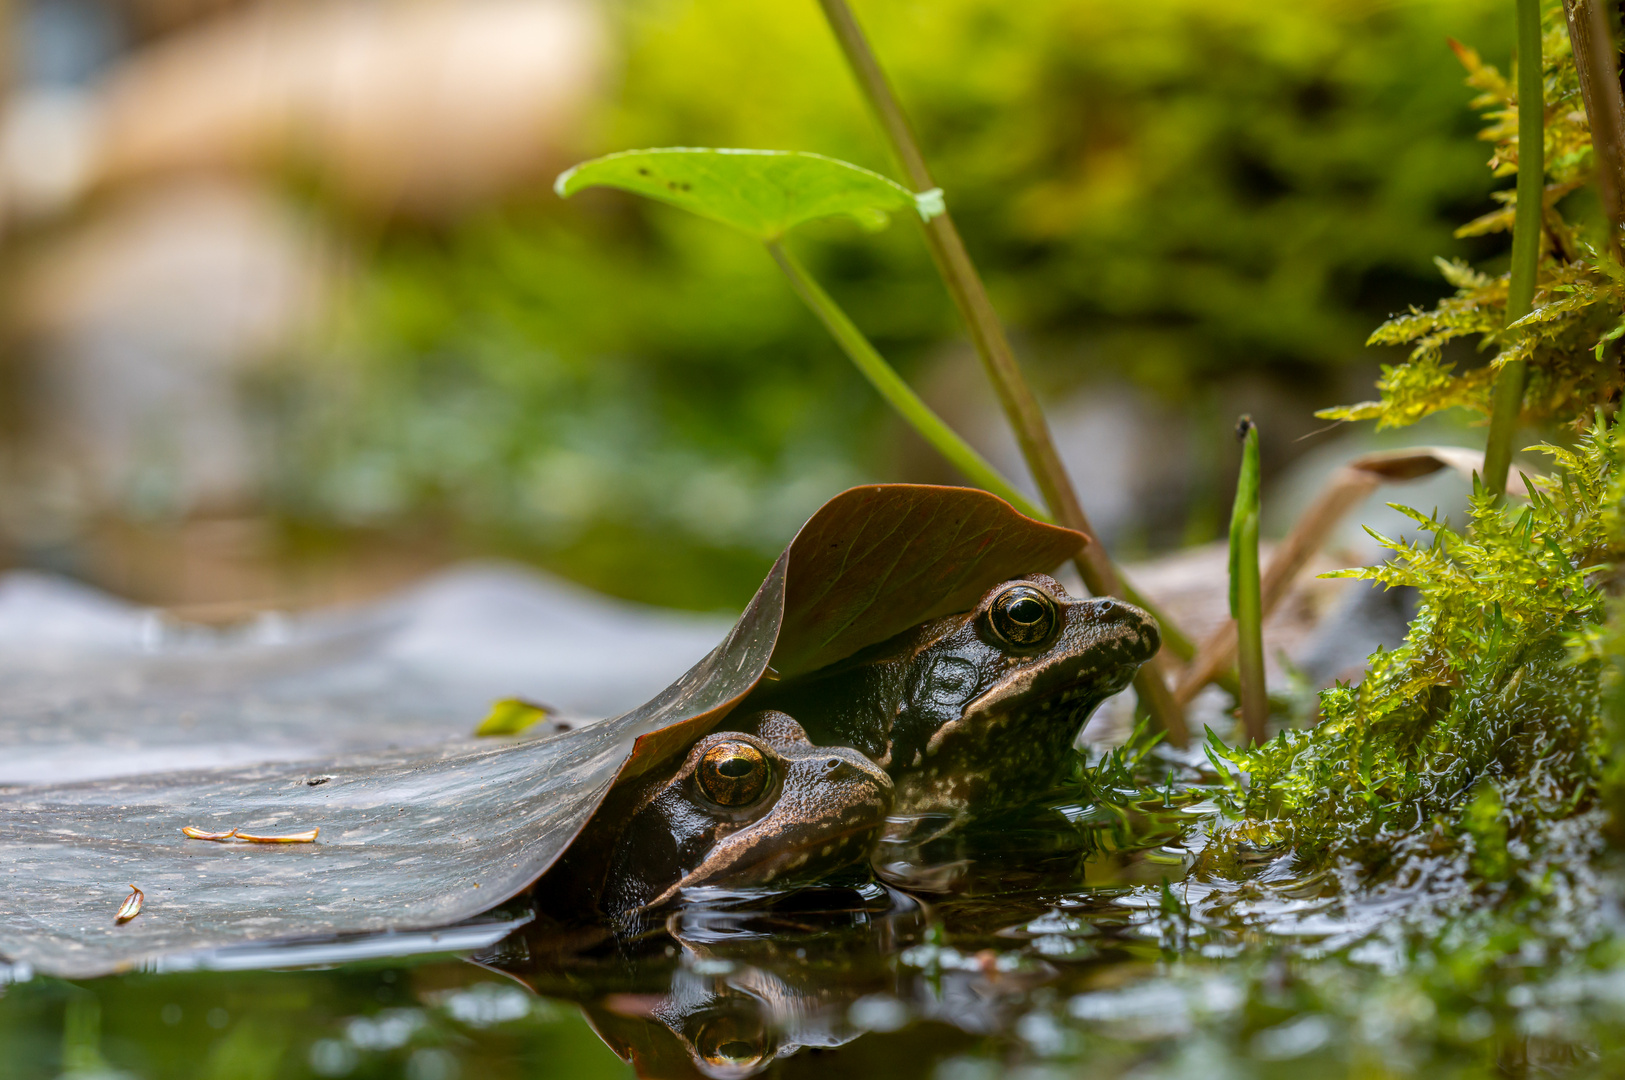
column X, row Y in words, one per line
column 289, row 314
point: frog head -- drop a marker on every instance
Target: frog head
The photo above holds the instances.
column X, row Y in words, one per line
column 975, row 712
column 756, row 806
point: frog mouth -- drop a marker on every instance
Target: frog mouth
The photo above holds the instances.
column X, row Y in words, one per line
column 1081, row 693
column 1058, row 687
column 779, row 867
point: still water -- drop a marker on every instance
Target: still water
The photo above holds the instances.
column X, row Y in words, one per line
column 1104, row 934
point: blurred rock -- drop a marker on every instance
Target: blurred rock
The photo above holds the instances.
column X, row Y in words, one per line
column 48, row 146
column 142, row 313
column 1366, row 617
column 142, row 322
column 418, row 108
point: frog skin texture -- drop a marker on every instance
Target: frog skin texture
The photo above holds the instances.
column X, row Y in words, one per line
column 787, row 814
column 975, row 713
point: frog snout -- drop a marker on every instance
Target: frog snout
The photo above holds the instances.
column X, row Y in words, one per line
column 1108, row 609
column 849, row 767
column 1120, row 615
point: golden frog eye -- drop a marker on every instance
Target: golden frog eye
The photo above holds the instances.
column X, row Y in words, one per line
column 733, row 774
column 733, row 1045
column 1023, row 616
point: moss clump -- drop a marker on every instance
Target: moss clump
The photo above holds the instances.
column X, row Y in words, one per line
column 1469, row 779
column 1489, row 716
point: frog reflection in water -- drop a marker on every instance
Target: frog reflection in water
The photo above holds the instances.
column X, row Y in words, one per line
column 975, row 713
column 758, row 806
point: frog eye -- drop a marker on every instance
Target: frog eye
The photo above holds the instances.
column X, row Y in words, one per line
column 733, row 1045
column 1022, row 616
column 733, row 773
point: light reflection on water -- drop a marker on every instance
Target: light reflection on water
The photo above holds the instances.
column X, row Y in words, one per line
column 1144, row 936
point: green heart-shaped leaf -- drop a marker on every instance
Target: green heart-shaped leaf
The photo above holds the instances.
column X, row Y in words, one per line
column 764, row 193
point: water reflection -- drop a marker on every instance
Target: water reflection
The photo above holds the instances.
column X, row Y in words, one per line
column 1111, row 933
column 728, row 985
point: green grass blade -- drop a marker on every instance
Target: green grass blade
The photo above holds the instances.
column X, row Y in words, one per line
column 1507, row 402
column 1246, row 594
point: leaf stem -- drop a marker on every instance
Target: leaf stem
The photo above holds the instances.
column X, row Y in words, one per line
column 1020, row 406
column 1246, row 590
column 884, row 378
column 1507, row 402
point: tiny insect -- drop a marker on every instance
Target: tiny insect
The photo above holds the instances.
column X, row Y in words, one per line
column 131, row 906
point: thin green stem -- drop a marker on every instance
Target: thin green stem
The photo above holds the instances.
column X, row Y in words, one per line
column 969, row 294
column 1246, row 588
column 1596, row 63
column 884, row 378
column 1020, row 405
column 1507, row 402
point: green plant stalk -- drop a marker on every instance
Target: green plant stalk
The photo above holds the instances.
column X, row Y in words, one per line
column 1507, row 401
column 1596, row 63
column 1020, row 406
column 953, row 263
column 884, row 378
column 1246, row 588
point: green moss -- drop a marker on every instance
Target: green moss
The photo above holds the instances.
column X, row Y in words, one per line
column 1494, row 727
column 1485, row 728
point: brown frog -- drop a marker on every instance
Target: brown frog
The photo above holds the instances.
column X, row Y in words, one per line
column 756, row 806
column 974, row 713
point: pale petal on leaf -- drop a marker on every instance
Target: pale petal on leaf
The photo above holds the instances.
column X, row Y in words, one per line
column 131, row 906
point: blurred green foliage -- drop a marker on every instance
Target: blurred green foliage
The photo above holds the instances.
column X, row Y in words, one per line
column 424, row 1021
column 1172, row 194
column 1570, row 338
